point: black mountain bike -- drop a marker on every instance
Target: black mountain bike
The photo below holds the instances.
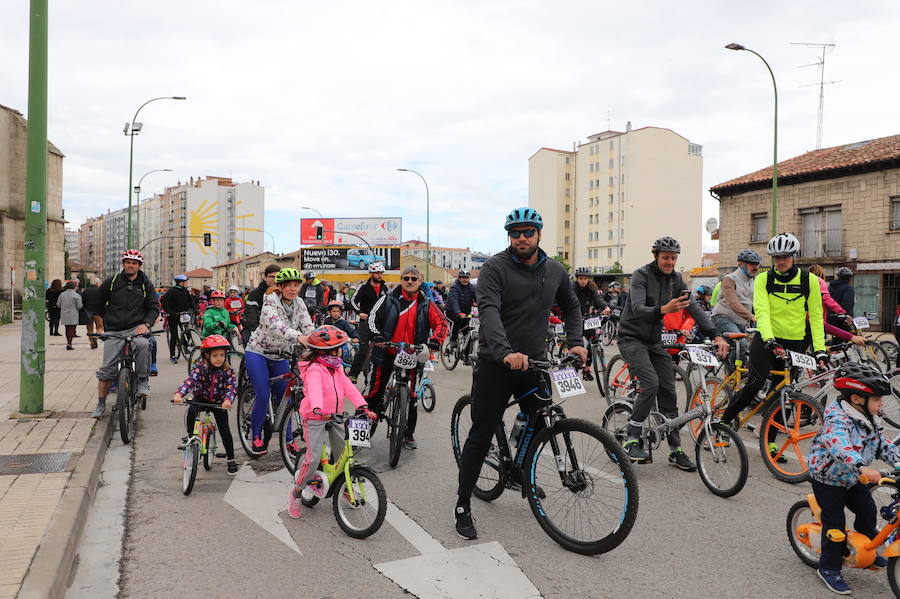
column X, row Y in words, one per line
column 127, row 382
column 188, row 336
column 397, row 395
column 466, row 348
column 578, row 480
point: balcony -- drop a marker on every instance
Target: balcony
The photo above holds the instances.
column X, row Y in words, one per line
column 822, row 243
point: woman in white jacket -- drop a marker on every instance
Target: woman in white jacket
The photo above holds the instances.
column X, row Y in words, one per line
column 283, row 322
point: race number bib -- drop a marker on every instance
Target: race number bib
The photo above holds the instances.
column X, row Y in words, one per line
column 802, row 360
column 184, row 318
column 429, row 366
column 474, row 323
column 406, row 360
column 861, row 322
column 235, row 305
column 358, row 430
column 592, row 323
column 560, row 329
column 669, row 338
column 701, row 357
column 568, row 382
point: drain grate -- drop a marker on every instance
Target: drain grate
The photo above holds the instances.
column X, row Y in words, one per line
column 34, row 463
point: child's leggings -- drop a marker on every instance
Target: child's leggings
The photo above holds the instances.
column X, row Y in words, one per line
column 221, row 416
column 315, row 433
column 832, row 500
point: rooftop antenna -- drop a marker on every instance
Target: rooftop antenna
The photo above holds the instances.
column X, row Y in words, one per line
column 609, row 120
column 822, row 83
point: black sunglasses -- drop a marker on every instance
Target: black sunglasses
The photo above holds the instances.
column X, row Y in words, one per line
column 528, row 233
column 410, row 279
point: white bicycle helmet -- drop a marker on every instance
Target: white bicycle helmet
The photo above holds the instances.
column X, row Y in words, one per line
column 783, row 244
column 376, row 267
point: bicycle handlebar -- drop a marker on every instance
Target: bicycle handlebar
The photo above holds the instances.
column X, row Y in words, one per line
column 200, row 404
column 111, row 335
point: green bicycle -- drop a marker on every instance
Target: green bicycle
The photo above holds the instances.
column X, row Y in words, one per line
column 201, row 443
column 358, row 497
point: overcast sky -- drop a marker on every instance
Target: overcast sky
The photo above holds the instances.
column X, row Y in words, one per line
column 321, row 102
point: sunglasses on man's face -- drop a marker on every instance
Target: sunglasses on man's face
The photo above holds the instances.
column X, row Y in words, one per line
column 528, row 233
column 410, row 279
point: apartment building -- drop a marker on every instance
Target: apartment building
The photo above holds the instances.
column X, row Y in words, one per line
column 842, row 203
column 443, row 257
column 73, row 244
column 608, row 199
column 13, row 146
column 92, row 240
column 115, row 241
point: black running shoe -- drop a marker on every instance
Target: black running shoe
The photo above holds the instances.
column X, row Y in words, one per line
column 680, row 460
column 465, row 523
column 635, row 452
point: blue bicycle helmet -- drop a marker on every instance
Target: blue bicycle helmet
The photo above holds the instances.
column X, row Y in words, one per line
column 524, row 216
column 180, row 278
column 749, row 256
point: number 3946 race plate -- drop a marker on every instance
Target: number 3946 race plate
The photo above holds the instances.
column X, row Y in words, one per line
column 568, row 382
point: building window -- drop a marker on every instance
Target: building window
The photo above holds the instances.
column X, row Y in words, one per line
column 610, row 198
column 895, row 213
column 568, row 159
column 695, row 150
column 611, row 181
column 821, row 232
column 568, row 192
column 759, row 227
column 623, row 179
column 610, row 234
column 567, row 206
column 610, row 216
column 590, row 219
column 567, row 241
column 611, row 162
column 612, row 145
column 609, row 252
column 567, row 176
column 621, row 252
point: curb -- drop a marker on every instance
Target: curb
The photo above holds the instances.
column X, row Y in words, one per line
column 52, row 566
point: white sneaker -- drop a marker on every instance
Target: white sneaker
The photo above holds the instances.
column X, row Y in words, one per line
column 143, row 389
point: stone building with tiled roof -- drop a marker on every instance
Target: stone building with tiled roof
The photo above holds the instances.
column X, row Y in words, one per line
column 842, row 203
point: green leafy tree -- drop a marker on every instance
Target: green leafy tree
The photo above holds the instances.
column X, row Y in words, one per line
column 82, row 279
column 615, row 268
column 559, row 258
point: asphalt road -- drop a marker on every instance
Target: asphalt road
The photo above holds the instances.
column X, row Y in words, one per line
column 686, row 542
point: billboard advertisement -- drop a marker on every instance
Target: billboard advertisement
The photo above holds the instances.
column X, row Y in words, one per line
column 349, row 260
column 350, row 231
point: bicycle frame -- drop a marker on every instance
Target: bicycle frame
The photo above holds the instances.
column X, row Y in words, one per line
column 342, row 465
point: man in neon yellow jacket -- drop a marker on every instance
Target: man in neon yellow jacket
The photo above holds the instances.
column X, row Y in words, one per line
column 785, row 298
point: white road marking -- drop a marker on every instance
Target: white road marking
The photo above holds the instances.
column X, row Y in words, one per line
column 262, row 499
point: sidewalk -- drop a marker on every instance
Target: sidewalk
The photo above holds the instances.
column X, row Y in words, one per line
column 48, row 466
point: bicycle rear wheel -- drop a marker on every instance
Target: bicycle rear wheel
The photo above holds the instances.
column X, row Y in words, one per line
column 243, row 416
column 364, row 514
column 125, row 403
column 586, row 496
column 491, row 479
column 449, row 356
column 615, row 420
column 892, row 403
column 192, row 358
column 397, row 425
column 428, row 397
column 721, row 461
column 292, row 455
column 801, row 524
column 620, row 384
column 791, row 439
column 189, row 465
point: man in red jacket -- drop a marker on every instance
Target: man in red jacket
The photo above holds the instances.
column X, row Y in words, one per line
column 403, row 315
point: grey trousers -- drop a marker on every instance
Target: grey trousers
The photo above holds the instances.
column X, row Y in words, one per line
column 315, row 433
column 652, row 366
column 112, row 348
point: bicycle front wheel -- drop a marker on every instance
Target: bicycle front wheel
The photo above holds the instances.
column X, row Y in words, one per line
column 599, row 370
column 428, row 397
column 718, row 396
column 449, row 356
column 399, row 408
column 585, row 497
column 721, row 460
column 192, row 358
column 292, row 453
column 125, row 404
column 785, row 445
column 620, row 383
column 892, row 403
column 607, row 333
column 362, row 514
column 243, row 415
column 190, row 463
column 491, row 479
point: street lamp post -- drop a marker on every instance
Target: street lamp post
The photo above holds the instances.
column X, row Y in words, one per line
column 427, row 222
column 774, row 209
column 132, row 129
column 272, row 237
column 137, row 191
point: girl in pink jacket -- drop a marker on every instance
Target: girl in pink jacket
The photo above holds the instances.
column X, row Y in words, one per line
column 325, row 387
column 831, row 306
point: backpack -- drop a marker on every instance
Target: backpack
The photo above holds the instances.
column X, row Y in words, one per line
column 774, row 288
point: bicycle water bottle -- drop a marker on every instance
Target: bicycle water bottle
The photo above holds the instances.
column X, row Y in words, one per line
column 519, row 424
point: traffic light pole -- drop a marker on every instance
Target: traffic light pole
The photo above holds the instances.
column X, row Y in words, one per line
column 31, row 380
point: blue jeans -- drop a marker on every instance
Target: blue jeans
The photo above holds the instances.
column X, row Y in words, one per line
column 260, row 369
column 726, row 325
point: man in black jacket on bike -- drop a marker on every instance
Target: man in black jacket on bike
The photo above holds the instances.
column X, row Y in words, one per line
column 657, row 289
column 459, row 305
column 254, row 300
column 362, row 303
column 177, row 299
column 129, row 306
column 516, row 289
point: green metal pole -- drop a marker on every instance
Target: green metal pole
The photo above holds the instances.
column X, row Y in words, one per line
column 130, row 191
column 774, row 209
column 31, row 381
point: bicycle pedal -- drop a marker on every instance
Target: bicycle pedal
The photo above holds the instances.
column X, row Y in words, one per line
column 751, row 427
column 221, row 454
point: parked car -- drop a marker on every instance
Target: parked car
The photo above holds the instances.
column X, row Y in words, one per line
column 361, row 259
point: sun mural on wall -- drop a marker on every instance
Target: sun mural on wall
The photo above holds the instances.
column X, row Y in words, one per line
column 204, row 220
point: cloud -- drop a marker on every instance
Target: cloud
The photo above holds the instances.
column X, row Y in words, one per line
column 322, row 102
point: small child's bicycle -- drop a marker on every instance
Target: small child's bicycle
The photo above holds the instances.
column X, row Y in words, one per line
column 358, row 497
column 804, row 530
column 201, row 443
